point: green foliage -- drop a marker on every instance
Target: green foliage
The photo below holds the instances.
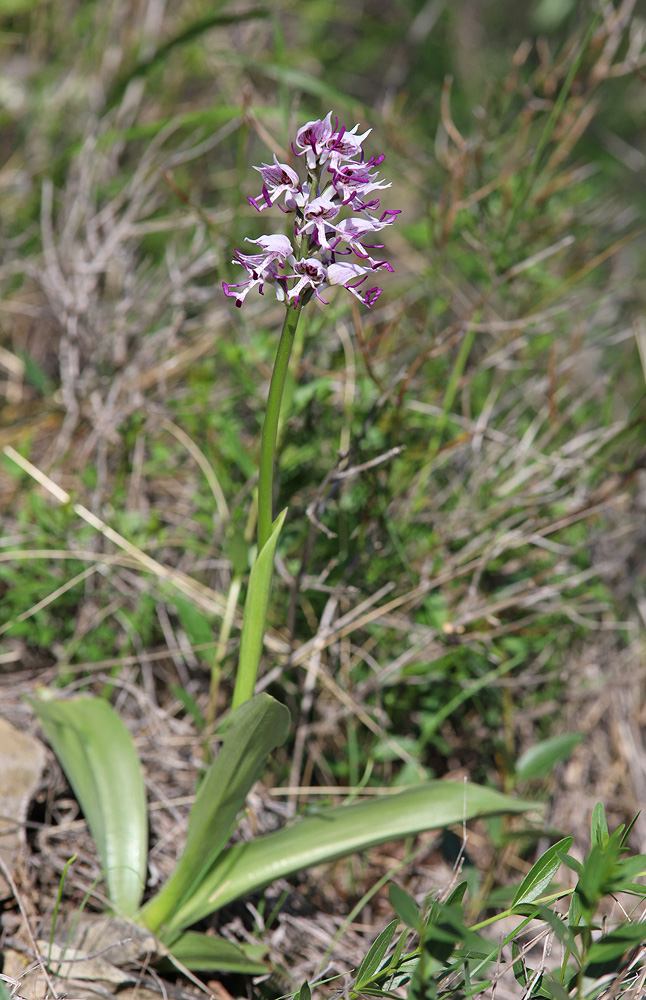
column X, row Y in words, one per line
column 541, row 874
column 540, row 759
column 255, row 614
column 203, row 953
column 404, row 906
column 255, row 728
column 452, row 957
column 97, row 754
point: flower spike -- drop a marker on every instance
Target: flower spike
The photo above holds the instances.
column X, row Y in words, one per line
column 303, row 267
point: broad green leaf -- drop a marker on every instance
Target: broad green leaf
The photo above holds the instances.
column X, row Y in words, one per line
column 203, row 953
column 100, row 761
column 404, row 906
column 254, row 730
column 541, row 759
column 375, row 956
column 541, row 873
column 334, row 832
column 601, row 871
column 255, row 614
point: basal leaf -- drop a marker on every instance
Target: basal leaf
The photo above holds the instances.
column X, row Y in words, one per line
column 204, row 953
column 334, row 832
column 100, row 761
column 254, row 730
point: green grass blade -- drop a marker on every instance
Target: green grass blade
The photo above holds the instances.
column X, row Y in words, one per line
column 254, row 730
column 337, row 831
column 99, row 759
column 255, row 613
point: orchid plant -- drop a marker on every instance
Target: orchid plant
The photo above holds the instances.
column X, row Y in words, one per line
column 340, row 180
column 334, row 211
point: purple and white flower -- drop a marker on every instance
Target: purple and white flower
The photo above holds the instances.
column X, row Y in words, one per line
column 338, row 177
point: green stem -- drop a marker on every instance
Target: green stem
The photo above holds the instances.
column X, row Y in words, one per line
column 270, row 428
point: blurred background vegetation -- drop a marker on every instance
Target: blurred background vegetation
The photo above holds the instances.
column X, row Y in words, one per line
column 477, row 584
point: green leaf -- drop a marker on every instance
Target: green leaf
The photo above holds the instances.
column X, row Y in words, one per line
column 304, row 993
column 575, row 912
column 551, row 989
column 520, row 974
column 458, row 893
column 561, row 927
column 601, row 871
column 100, row 761
column 571, row 863
column 599, row 826
column 628, row 869
column 404, row 906
column 605, row 954
column 627, row 832
column 445, row 929
column 334, row 832
column 375, row 956
column 203, row 953
column 255, row 614
column 254, row 730
column 541, row 759
column 541, row 873
column 422, row 986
